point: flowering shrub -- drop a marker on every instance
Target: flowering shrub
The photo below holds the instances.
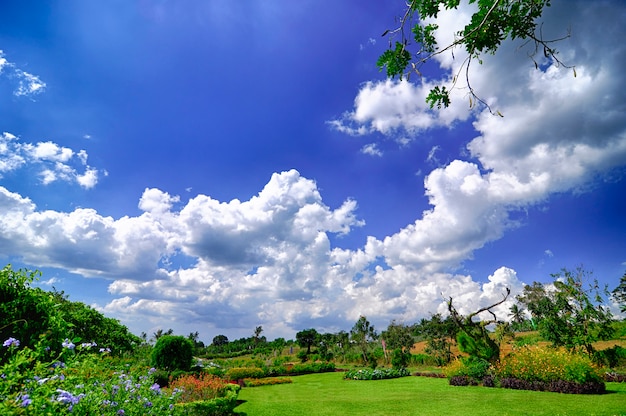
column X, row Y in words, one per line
column 76, row 382
column 548, row 369
column 255, row 382
column 548, row 364
column 195, row 388
column 377, row 374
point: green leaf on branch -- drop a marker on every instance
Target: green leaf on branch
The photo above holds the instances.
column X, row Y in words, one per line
column 395, row 61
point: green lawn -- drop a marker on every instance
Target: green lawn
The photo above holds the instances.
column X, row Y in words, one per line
column 329, row 394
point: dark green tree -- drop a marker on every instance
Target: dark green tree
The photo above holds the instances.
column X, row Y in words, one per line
column 219, row 340
column 572, row 315
column 172, row 352
column 412, row 43
column 307, row 338
column 28, row 313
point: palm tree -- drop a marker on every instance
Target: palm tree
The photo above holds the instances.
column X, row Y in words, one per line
column 517, row 315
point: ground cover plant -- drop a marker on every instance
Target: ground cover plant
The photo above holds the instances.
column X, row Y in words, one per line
column 328, row 394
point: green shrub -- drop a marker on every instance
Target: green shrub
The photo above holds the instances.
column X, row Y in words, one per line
column 270, row 381
column 172, row 352
column 302, row 356
column 400, row 359
column 238, row 373
column 611, row 357
column 472, row 368
column 220, row 406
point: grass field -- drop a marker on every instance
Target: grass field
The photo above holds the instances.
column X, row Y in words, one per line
column 328, row 394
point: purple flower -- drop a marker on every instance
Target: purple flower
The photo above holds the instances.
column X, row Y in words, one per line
column 67, row 397
column 152, row 370
column 11, row 342
column 155, row 388
column 68, row 344
column 121, row 412
column 25, row 399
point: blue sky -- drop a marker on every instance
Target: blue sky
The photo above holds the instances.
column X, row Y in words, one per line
column 213, row 166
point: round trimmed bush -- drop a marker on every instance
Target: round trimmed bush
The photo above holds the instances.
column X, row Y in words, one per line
column 172, row 352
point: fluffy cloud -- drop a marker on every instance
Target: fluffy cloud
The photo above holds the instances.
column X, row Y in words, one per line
column 266, row 260
column 54, row 162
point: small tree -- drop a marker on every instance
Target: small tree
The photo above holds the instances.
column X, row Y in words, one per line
column 473, row 337
column 172, row 353
column 257, row 334
column 362, row 333
column 570, row 315
column 307, row 338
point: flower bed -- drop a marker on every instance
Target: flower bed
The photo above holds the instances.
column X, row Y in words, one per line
column 377, row 374
column 533, row 368
column 83, row 380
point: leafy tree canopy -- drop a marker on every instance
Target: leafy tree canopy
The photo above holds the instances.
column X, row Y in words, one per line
column 572, row 313
column 412, row 43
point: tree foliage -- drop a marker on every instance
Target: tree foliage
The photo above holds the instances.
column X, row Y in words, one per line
column 398, row 336
column 570, row 314
column 412, row 43
column 619, row 293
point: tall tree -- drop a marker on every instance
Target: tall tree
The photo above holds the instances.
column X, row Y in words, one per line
column 572, row 314
column 412, row 43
